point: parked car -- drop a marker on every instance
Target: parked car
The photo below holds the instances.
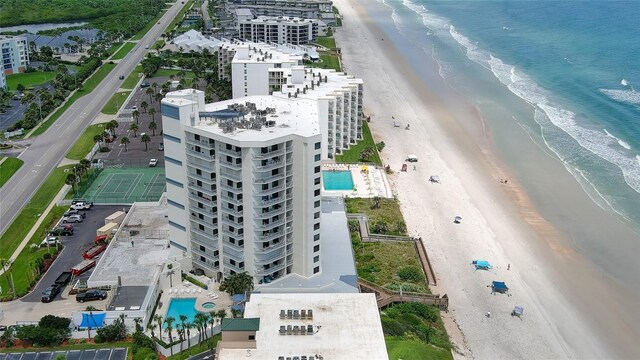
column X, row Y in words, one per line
column 145, row 85
column 50, row 293
column 153, row 162
column 50, row 241
column 161, row 147
column 91, row 295
column 75, row 201
column 121, row 77
column 81, row 206
column 73, row 219
column 61, row 231
column 74, row 212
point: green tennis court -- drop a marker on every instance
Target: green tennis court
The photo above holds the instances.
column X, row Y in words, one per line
column 126, row 186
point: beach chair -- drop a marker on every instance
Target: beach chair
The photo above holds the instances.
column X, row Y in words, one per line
column 199, row 291
column 181, row 291
column 215, row 296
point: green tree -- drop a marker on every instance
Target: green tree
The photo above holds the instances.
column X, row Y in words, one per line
column 136, row 116
column 71, row 180
column 152, row 112
column 86, row 165
column 150, row 92
column 169, row 330
column 97, row 138
column 237, row 283
column 159, row 96
column 144, row 105
column 7, row 265
column 125, row 141
column 153, row 126
column 134, row 127
column 145, row 139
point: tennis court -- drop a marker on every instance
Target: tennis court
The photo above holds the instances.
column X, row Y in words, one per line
column 126, row 185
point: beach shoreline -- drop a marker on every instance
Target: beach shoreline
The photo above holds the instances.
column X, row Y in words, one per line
column 500, row 224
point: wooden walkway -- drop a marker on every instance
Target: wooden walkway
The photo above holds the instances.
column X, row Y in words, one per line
column 385, row 297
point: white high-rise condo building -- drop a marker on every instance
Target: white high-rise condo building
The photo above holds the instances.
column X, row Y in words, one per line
column 306, row 9
column 14, row 54
column 243, row 183
column 278, row 29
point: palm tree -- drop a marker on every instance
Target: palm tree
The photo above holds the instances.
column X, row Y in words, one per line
column 150, row 92
column 169, row 330
column 115, row 123
column 183, row 321
column 152, row 112
column 153, row 126
column 86, row 164
column 146, row 139
column 97, row 138
column 109, row 127
column 222, row 314
column 136, row 115
column 213, row 315
column 238, row 283
column 189, row 326
column 200, row 321
column 134, row 127
column 71, row 180
column 152, row 327
column 124, row 141
column 138, row 321
column 7, row 265
column 158, row 320
column 154, row 85
column 159, row 96
column 144, row 105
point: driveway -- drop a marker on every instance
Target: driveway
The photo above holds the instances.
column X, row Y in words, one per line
column 83, row 236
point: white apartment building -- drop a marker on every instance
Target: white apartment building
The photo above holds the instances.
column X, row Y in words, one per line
column 306, row 9
column 14, row 53
column 243, row 183
column 3, row 80
column 266, row 71
column 278, row 29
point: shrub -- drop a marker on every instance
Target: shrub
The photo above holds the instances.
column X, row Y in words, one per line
column 98, row 339
column 34, row 247
column 142, row 342
column 145, row 354
column 380, row 146
column 54, row 322
column 410, row 273
column 104, row 149
column 46, row 256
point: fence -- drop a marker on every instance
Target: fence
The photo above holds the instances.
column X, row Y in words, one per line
column 128, row 163
column 86, row 183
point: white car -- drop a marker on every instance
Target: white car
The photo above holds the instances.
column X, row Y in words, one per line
column 81, row 206
column 50, row 241
column 72, row 218
column 153, row 162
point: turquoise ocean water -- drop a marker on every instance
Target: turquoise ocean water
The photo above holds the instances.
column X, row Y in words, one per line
column 563, row 72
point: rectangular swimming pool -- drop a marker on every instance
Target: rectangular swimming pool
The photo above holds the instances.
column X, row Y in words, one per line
column 337, row 180
column 186, row 307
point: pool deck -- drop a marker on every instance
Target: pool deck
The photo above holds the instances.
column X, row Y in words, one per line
column 368, row 181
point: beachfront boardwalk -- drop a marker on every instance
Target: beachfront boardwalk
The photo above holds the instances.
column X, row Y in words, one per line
column 386, row 297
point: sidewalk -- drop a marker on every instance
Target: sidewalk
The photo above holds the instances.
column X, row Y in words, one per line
column 25, row 241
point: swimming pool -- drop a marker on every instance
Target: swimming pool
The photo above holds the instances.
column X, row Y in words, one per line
column 337, row 180
column 186, row 307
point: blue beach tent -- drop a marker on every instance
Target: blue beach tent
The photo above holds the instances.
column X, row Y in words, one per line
column 482, row 264
column 499, row 286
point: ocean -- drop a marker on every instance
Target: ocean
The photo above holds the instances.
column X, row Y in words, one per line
column 566, row 74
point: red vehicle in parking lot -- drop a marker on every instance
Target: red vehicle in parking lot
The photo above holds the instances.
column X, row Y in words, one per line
column 93, row 252
column 82, row 267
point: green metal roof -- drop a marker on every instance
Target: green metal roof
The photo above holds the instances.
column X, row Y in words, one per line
column 252, row 324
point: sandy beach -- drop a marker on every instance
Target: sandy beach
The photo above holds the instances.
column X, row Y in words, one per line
column 564, row 297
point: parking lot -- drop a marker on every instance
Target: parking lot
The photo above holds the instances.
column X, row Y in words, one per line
column 83, row 239
column 136, row 156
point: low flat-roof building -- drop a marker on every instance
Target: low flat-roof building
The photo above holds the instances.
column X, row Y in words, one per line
column 305, row 326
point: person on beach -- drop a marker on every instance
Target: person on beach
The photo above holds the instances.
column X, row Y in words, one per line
column 508, row 266
column 489, row 314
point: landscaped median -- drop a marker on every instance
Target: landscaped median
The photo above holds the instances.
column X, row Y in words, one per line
column 116, row 101
column 88, row 86
column 8, row 167
column 123, row 51
column 84, row 144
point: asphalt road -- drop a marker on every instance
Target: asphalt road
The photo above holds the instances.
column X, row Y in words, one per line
column 48, row 149
column 82, row 240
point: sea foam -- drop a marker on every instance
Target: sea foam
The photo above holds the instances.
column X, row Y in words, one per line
column 519, row 83
column 626, row 96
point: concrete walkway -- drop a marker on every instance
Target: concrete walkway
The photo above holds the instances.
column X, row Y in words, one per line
column 59, row 196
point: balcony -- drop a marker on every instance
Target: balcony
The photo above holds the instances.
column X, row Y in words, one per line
column 222, row 150
column 234, row 234
column 268, row 179
column 270, row 190
column 271, row 201
column 233, row 166
column 206, row 190
column 270, row 154
column 211, row 243
column 271, row 248
column 268, row 235
column 270, row 165
column 231, row 176
column 225, row 220
column 204, row 234
column 194, row 196
column 206, row 264
column 200, row 163
column 232, row 250
column 235, row 268
column 201, row 155
column 273, row 268
column 208, row 227
column 207, row 219
column 224, row 186
column 230, row 199
column 270, row 225
column 193, row 175
column 195, row 249
column 270, row 213
column 209, row 144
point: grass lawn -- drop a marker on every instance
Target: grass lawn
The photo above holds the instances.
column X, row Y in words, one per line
column 178, row 19
column 8, row 168
column 327, row 41
column 29, row 79
column 197, row 349
column 330, row 61
column 116, row 101
column 131, row 80
column 169, row 72
column 353, row 154
column 158, row 44
column 388, row 211
column 89, row 85
column 124, row 50
column 84, row 144
column 23, row 271
column 411, row 349
column 113, row 48
column 32, row 211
